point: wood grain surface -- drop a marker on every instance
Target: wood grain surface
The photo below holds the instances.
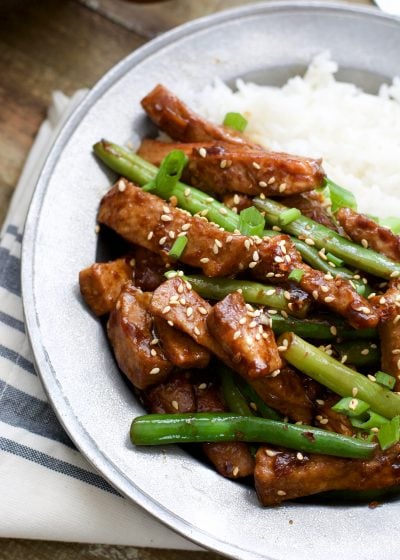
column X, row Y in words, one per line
column 66, row 45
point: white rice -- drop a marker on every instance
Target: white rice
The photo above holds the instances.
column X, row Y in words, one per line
column 356, row 134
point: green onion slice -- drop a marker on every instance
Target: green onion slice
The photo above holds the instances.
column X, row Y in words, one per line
column 235, row 121
column 296, row 275
column 288, row 216
column 251, row 222
column 178, row 247
column 389, row 434
column 385, row 380
column 335, row 260
column 369, row 420
column 350, row 406
column 340, row 197
column 170, row 171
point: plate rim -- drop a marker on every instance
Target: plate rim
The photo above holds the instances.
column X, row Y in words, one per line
column 71, row 424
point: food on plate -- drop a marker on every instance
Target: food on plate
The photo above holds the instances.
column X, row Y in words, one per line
column 256, row 310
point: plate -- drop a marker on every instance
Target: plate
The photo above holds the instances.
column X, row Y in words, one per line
column 264, row 42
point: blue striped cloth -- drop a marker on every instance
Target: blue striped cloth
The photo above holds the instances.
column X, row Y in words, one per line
column 48, row 490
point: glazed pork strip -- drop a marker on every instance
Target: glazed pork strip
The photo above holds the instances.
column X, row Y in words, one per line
column 101, row 283
column 149, row 269
column 145, row 219
column 287, row 475
column 175, row 118
column 180, row 349
column 154, row 151
column 224, row 168
column 237, row 202
column 284, row 392
column 389, row 330
column 311, row 204
column 130, row 330
column 250, row 345
column 330, row 420
column 368, row 233
column 277, row 257
column 180, row 393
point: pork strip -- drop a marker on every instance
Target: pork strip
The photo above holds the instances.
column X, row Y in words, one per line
column 154, row 151
column 284, row 392
column 130, row 330
column 250, row 345
column 149, row 269
column 288, row 475
column 367, row 232
column 277, row 257
column 389, row 330
column 175, row 118
column 180, row 349
column 145, row 219
column 311, row 204
column 224, row 168
column 175, row 395
column 101, row 283
column 330, row 420
column 237, row 202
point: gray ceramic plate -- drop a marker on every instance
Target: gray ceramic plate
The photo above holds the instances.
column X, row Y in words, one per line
column 266, row 42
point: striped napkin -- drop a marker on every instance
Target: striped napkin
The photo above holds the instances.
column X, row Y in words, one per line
column 48, row 490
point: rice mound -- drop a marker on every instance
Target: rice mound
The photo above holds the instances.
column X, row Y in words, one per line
column 356, row 134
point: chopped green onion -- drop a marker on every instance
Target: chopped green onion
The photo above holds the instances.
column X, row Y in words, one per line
column 350, row 406
column 251, row 222
column 170, row 171
column 150, row 186
column 389, row 434
column 340, row 197
column 296, row 275
column 391, row 222
column 370, row 420
column 178, row 247
column 333, row 259
column 385, row 380
column 236, row 121
column 288, row 216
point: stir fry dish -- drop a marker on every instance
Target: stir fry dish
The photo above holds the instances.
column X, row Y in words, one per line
column 255, row 311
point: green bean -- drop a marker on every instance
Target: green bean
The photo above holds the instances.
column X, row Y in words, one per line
column 324, row 238
column 232, row 396
column 336, row 376
column 163, row 429
column 359, row 353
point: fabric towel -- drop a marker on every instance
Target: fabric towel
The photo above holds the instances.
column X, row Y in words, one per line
column 48, row 489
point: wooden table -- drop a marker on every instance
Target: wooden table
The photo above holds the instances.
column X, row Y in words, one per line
column 47, row 45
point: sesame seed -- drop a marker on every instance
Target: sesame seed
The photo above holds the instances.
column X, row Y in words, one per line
column 309, row 241
column 162, row 240
column 320, row 402
column 262, row 184
column 180, row 289
column 154, row 342
column 324, row 421
column 329, row 299
column 371, row 378
column 354, row 391
column 315, row 294
column 236, row 335
column 282, row 187
column 282, row 348
column 328, row 276
column 344, row 358
column 396, row 319
column 202, row 386
column 364, row 243
column 153, row 352
column 281, row 493
column 375, row 430
column 287, row 295
column 247, row 244
column 223, row 164
column 223, row 211
column 284, row 314
column 186, row 192
column 196, row 331
column 175, row 405
column 271, row 180
column 252, row 264
column 300, row 456
column 170, row 323
column 262, row 196
column 203, row 311
column 171, row 234
column 396, row 351
column 166, row 210
column 121, row 185
column 235, row 471
column 215, row 250
column 256, row 256
column 97, row 228
column 203, row 152
column 253, row 324
column 204, row 260
column 154, row 371
column 150, row 235
column 279, row 259
column 270, row 292
column 188, row 285
column 189, row 312
column 276, row 228
column 229, row 238
column 271, row 452
column 325, row 289
column 365, row 352
column 242, row 321
column 166, row 218
column 395, row 274
column 333, row 330
column 275, row 373
column 398, row 364
column 253, row 405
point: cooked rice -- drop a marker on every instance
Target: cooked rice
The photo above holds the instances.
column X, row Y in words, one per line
column 356, row 134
